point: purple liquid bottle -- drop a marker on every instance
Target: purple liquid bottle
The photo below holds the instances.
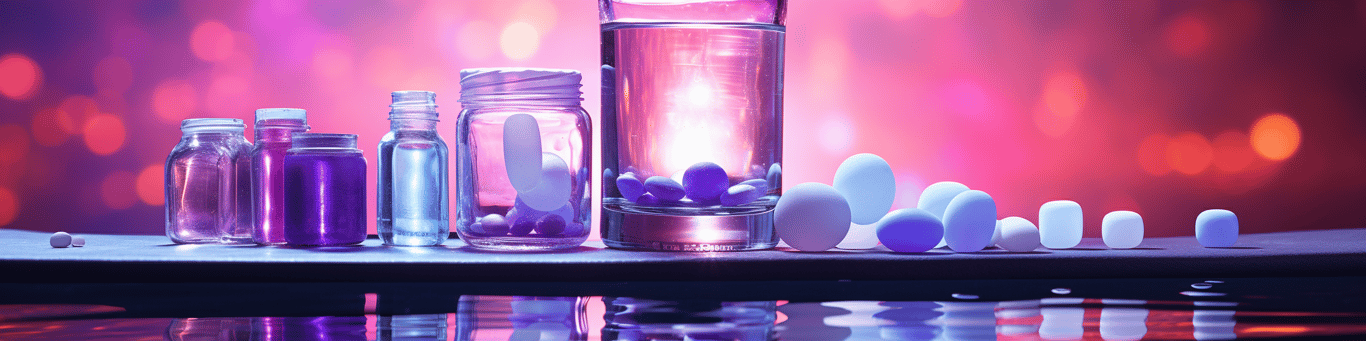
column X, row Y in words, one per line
column 273, row 129
column 324, row 190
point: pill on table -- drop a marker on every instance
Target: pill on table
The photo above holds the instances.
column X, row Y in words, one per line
column 1216, row 228
column 60, row 239
column 664, row 188
column 935, row 199
column 629, row 186
column 1018, row 235
column 969, row 221
column 1060, row 224
column 860, row 237
column 550, row 225
column 522, row 151
column 867, row 183
column 739, row 195
column 1121, row 229
column 811, row 217
column 78, row 241
column 705, row 182
column 909, row 230
column 553, row 189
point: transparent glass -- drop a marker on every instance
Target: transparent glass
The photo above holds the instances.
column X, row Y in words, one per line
column 691, row 85
column 521, row 318
column 208, row 191
column 554, row 136
column 324, row 190
column 413, row 191
column 273, row 129
column 646, row 319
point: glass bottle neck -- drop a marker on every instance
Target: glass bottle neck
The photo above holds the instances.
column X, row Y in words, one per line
column 211, row 136
column 278, row 131
column 411, row 123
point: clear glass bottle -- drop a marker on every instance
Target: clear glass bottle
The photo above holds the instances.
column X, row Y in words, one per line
column 413, row 195
column 691, row 85
column 324, row 190
column 208, row 194
column 273, row 129
column 523, row 155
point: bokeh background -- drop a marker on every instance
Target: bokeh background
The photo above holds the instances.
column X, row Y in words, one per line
column 1162, row 107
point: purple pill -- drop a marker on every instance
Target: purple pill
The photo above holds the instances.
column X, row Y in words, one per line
column 664, row 188
column 491, row 225
column 759, row 184
column 522, row 227
column 550, row 225
column 739, row 195
column 574, row 229
column 705, row 181
column 647, row 199
column 630, row 187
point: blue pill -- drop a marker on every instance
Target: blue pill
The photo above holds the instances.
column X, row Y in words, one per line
column 759, row 184
column 969, row 221
column 629, row 186
column 866, row 181
column 609, row 179
column 647, row 199
column 705, row 181
column 550, row 225
column 664, row 188
column 739, row 195
column 909, row 230
column 491, row 225
column 522, row 226
column 775, row 175
column 1216, row 228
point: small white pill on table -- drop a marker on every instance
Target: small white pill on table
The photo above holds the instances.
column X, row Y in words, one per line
column 60, row 239
column 1216, row 228
column 1018, row 235
column 935, row 199
column 860, row 237
column 969, row 221
column 1122, row 229
column 1060, row 224
column 867, row 182
column 78, row 241
column 811, row 217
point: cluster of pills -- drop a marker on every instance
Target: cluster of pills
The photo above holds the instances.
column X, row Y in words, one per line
column 853, row 214
column 703, row 183
column 63, row 239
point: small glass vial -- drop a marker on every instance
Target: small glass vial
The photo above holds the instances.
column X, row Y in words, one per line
column 273, row 129
column 413, row 198
column 523, row 155
column 324, row 190
column 208, row 194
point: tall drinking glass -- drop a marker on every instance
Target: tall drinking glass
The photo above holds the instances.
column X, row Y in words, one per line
column 692, row 123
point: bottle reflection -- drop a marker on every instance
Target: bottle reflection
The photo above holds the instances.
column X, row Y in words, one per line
column 807, row 321
column 1060, row 322
column 909, row 320
column 645, row 319
column 1118, row 322
column 521, row 318
column 320, row 328
column 967, row 321
column 862, row 325
column 1017, row 317
column 1213, row 324
column 412, row 327
column 210, row 328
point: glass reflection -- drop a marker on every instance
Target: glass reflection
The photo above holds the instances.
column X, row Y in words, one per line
column 1119, row 322
column 1213, row 323
column 645, row 319
column 909, row 320
column 210, row 328
column 521, row 318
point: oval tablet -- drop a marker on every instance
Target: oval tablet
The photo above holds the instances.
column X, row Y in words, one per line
column 705, row 181
column 550, row 225
column 1018, row 235
column 1216, row 228
column 1121, row 229
column 629, row 186
column 811, row 217
column 759, row 184
column 552, row 191
column 1060, row 224
column 60, row 240
column 77, row 241
column 739, row 195
column 664, row 188
column 522, row 151
column 867, row 182
column 969, row 221
column 491, row 225
column 935, row 199
column 909, row 230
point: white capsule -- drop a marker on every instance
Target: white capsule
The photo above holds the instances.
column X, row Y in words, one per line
column 552, row 191
column 1122, row 229
column 1216, row 228
column 969, row 221
column 867, row 182
column 59, row 240
column 1018, row 235
column 78, row 241
column 522, row 151
column 1060, row 224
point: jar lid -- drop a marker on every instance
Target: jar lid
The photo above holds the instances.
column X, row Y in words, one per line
column 519, row 84
column 195, row 125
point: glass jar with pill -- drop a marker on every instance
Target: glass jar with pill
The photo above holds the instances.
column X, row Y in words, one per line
column 523, row 158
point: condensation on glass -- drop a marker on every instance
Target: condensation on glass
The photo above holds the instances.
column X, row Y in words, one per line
column 208, row 191
column 413, row 207
column 686, row 84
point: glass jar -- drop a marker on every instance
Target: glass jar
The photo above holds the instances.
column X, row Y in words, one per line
column 413, row 197
column 324, row 190
column 692, row 123
column 208, row 194
column 273, row 129
column 523, row 151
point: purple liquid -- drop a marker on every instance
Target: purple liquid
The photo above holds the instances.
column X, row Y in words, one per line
column 325, row 198
column 268, row 181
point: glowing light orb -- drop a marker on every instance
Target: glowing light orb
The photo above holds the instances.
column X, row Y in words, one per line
column 519, row 41
column 1275, row 137
column 1189, row 153
column 104, row 134
column 19, row 76
column 151, row 185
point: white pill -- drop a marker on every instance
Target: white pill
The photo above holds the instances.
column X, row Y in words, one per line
column 935, row 199
column 867, row 182
column 811, row 217
column 1018, row 235
column 78, row 241
column 1216, row 228
column 1122, row 229
column 860, row 237
column 1060, row 224
column 522, row 151
column 60, row 239
column 969, row 221
column 552, row 191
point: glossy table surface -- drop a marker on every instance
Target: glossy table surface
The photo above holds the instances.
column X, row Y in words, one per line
column 25, row 256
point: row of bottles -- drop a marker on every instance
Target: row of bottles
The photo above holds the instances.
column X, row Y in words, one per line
column 294, row 187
